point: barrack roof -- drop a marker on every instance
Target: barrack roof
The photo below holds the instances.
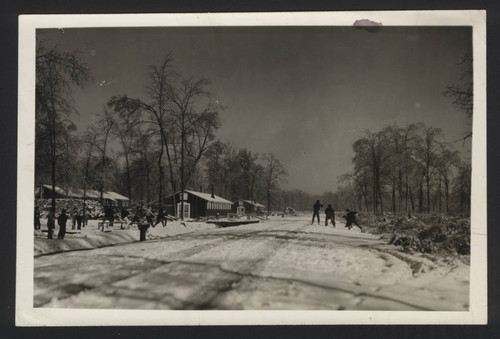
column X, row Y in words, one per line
column 254, row 203
column 78, row 193
column 208, row 197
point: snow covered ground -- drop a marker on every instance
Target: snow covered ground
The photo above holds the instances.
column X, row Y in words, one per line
column 90, row 236
column 278, row 264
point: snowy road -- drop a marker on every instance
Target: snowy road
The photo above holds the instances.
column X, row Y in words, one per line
column 280, row 264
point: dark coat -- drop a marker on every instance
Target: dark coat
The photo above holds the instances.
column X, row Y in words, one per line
column 51, row 221
column 316, row 207
column 61, row 221
column 351, row 217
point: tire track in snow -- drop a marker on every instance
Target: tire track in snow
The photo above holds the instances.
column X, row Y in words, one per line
column 205, row 270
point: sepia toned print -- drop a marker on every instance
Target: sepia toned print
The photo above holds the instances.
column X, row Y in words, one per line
column 256, row 168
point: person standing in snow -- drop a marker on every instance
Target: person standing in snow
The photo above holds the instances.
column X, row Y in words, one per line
column 124, row 218
column 38, row 225
column 316, row 208
column 73, row 218
column 79, row 220
column 137, row 216
column 61, row 221
column 350, row 217
column 109, row 215
column 330, row 215
column 51, row 223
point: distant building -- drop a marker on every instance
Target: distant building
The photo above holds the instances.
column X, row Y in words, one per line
column 242, row 207
column 109, row 198
column 198, row 204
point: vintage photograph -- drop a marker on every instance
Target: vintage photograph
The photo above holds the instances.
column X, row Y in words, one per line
column 253, row 167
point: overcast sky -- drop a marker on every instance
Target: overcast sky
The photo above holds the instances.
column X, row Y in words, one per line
column 304, row 93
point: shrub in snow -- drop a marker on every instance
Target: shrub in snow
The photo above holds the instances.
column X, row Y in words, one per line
column 425, row 233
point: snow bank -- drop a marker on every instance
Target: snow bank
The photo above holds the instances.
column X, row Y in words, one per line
column 91, row 237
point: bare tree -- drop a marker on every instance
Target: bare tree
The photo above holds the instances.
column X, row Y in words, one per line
column 373, row 151
column 195, row 119
column 462, row 187
column 126, row 128
column 274, row 173
column 105, row 125
column 447, row 158
column 56, row 73
column 427, row 148
column 184, row 117
column 89, row 142
column 462, row 93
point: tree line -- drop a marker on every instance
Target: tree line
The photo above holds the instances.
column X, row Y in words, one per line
column 143, row 147
column 414, row 168
column 166, row 141
column 405, row 170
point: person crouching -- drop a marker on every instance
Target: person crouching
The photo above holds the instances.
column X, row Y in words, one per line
column 330, row 215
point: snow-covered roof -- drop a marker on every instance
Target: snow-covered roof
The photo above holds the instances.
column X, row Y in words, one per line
column 254, row 203
column 114, row 196
column 78, row 193
column 208, row 197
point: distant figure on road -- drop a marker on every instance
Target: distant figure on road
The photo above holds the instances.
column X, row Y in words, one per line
column 350, row 217
column 330, row 215
column 316, row 208
column 61, row 221
column 37, row 219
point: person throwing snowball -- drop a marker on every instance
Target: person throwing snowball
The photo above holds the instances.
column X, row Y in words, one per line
column 316, row 208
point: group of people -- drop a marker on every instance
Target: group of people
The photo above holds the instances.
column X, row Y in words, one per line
column 78, row 220
column 139, row 216
column 350, row 216
column 51, row 223
column 152, row 219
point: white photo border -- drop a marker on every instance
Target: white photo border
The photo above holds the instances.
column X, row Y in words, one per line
column 27, row 315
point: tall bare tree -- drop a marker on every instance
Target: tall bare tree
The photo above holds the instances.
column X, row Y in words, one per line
column 428, row 146
column 446, row 160
column 105, row 125
column 126, row 128
column 89, row 143
column 274, row 173
column 195, row 119
column 56, row 74
column 373, row 151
